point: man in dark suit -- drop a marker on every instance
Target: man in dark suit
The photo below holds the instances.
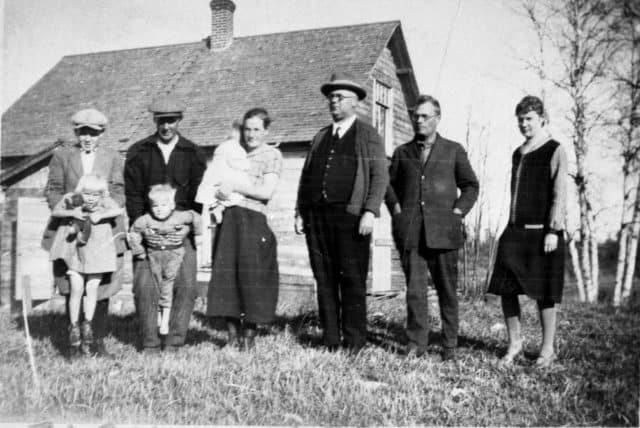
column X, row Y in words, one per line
column 341, row 189
column 425, row 175
column 164, row 157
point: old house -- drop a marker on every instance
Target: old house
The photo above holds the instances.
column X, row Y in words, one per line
column 218, row 79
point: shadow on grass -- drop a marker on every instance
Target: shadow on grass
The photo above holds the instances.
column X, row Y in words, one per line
column 124, row 328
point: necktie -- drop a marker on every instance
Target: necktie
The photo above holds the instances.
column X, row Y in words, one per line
column 424, row 153
column 336, row 135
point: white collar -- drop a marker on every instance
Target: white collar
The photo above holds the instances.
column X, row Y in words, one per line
column 343, row 125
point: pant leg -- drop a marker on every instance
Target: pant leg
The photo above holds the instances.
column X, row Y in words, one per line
column 443, row 265
column 157, row 260
column 172, row 259
column 352, row 252
column 146, row 298
column 415, row 269
column 319, row 244
column 184, row 296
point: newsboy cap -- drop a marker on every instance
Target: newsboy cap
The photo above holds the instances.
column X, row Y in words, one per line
column 343, row 80
column 166, row 106
column 89, row 118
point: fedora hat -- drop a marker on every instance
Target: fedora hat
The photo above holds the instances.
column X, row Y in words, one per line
column 342, row 80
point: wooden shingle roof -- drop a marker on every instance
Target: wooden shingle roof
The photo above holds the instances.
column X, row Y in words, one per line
column 281, row 72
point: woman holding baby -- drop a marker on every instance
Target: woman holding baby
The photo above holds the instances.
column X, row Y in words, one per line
column 244, row 280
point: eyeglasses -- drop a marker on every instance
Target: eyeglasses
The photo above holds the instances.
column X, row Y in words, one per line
column 88, row 131
column 424, row 116
column 338, row 97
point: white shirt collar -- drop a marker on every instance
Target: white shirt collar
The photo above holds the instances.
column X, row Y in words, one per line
column 343, row 126
column 87, row 160
column 167, row 148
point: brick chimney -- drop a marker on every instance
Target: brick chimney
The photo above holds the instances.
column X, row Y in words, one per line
column 221, row 24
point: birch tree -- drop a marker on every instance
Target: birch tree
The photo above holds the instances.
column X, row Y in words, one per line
column 625, row 25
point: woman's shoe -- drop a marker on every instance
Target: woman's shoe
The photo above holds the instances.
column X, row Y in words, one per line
column 75, row 340
column 233, row 335
column 250, row 338
column 545, row 361
column 512, row 353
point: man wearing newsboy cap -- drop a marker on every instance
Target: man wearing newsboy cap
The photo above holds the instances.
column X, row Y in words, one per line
column 341, row 188
column 68, row 164
column 164, row 157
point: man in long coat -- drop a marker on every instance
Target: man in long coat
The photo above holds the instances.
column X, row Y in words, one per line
column 164, row 157
column 425, row 176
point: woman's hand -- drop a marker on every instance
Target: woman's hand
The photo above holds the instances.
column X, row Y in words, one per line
column 550, row 242
column 224, row 191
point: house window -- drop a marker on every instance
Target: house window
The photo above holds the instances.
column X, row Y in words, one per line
column 382, row 113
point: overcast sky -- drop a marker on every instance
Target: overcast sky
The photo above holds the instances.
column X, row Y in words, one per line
column 467, row 53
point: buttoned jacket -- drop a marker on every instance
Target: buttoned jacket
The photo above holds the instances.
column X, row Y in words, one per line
column 65, row 170
column 428, row 193
column 371, row 178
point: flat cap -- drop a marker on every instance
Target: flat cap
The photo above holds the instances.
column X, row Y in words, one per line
column 166, row 106
column 89, row 118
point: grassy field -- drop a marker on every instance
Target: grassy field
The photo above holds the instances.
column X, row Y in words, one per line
column 288, row 380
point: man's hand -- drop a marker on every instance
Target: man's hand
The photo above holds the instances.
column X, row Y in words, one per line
column 366, row 223
column 298, row 225
column 397, row 209
column 550, row 242
column 457, row 211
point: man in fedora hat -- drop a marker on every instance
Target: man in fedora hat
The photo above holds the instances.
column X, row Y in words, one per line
column 432, row 187
column 342, row 186
column 164, row 157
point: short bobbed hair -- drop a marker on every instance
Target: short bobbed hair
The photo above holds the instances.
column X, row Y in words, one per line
column 531, row 103
column 258, row 112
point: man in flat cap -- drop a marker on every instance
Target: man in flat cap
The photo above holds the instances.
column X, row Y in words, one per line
column 164, row 157
column 432, row 187
column 342, row 186
column 67, row 166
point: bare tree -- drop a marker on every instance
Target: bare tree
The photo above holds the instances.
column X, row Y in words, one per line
column 625, row 26
column 579, row 33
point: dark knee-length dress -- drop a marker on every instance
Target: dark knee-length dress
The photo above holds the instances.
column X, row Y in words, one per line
column 537, row 208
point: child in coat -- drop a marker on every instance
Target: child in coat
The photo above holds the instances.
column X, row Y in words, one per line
column 87, row 256
column 165, row 257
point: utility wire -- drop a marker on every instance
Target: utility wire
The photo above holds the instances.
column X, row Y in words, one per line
column 446, row 46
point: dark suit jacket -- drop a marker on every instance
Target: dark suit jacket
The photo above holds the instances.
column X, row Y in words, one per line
column 428, row 194
column 372, row 176
column 65, row 170
column 145, row 167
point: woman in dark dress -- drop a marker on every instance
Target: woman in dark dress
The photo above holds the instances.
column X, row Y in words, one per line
column 244, row 279
column 530, row 258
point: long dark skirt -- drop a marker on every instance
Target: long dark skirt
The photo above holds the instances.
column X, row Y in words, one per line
column 244, row 277
column 522, row 267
